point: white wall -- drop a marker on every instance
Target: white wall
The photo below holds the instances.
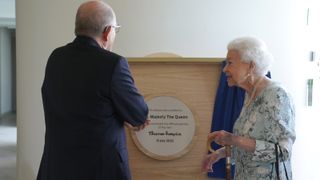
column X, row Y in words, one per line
column 306, row 155
column 188, row 28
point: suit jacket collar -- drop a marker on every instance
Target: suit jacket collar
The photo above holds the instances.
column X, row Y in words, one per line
column 86, row 40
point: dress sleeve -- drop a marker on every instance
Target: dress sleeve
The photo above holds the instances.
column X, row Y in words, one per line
column 278, row 127
column 129, row 103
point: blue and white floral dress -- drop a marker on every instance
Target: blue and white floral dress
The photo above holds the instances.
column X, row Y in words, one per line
column 269, row 119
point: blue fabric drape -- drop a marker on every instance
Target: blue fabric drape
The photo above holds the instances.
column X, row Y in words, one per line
column 227, row 108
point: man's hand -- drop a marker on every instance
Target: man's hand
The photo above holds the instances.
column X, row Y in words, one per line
column 138, row 128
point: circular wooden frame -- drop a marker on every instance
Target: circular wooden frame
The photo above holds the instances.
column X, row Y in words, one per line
column 172, row 156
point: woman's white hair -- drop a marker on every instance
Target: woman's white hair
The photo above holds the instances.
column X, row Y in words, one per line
column 252, row 49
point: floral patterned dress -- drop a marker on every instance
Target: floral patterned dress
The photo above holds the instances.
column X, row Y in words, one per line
column 268, row 119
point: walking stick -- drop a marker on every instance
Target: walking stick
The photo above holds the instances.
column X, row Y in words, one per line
column 228, row 162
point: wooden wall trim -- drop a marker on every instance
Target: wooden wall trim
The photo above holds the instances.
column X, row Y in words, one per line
column 174, row 60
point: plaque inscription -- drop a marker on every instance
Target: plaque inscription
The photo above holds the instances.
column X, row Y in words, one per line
column 171, row 131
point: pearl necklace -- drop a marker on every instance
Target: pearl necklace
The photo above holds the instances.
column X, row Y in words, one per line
column 254, row 90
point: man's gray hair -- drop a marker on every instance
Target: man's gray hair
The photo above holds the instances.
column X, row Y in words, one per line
column 252, row 49
column 92, row 18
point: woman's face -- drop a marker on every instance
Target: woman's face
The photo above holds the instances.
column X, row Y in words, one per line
column 236, row 71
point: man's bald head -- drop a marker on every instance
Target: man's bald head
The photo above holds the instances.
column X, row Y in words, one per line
column 92, row 18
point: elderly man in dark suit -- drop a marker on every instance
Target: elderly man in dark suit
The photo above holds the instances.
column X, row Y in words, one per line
column 88, row 96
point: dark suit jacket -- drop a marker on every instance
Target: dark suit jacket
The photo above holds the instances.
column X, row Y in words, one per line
column 87, row 94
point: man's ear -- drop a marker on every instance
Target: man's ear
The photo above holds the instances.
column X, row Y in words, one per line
column 106, row 33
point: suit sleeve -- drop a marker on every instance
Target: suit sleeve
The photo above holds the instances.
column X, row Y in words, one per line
column 129, row 103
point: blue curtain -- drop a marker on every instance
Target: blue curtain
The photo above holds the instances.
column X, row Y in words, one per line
column 227, row 107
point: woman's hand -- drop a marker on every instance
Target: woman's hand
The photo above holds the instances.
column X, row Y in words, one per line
column 225, row 138
column 222, row 137
column 210, row 159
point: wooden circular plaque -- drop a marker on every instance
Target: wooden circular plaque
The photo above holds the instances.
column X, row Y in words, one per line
column 171, row 132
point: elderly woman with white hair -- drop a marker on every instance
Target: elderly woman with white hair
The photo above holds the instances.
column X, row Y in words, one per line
column 266, row 122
